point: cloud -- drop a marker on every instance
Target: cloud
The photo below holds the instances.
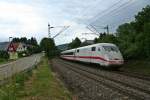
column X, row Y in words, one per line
column 30, row 17
column 19, row 19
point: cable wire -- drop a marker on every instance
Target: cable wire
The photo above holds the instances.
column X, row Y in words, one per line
column 114, row 10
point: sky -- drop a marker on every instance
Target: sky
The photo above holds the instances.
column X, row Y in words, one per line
column 30, row 18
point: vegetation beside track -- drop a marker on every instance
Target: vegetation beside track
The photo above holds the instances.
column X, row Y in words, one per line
column 137, row 66
column 39, row 84
column 2, row 61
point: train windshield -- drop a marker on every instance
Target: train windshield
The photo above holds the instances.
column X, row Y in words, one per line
column 111, row 48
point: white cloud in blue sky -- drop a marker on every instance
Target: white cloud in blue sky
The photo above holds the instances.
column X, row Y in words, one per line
column 19, row 18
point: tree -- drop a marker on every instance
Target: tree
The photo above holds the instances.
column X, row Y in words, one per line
column 141, row 18
column 4, row 55
column 75, row 43
column 34, row 41
column 23, row 40
column 107, row 38
column 15, row 40
column 134, row 37
column 126, row 40
column 48, row 46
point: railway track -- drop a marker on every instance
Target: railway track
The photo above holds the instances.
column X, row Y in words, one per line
column 135, row 75
column 121, row 72
column 128, row 89
column 141, row 77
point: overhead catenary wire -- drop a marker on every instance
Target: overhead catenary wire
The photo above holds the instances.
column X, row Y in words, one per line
column 112, row 10
column 104, row 11
column 112, row 24
column 62, row 30
column 114, row 13
column 117, row 14
column 91, row 28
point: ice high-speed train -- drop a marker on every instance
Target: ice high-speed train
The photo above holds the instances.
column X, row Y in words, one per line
column 104, row 54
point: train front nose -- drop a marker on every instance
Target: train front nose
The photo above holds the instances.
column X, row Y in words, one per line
column 114, row 60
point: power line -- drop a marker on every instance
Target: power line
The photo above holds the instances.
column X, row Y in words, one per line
column 63, row 29
column 104, row 11
column 114, row 10
column 117, row 13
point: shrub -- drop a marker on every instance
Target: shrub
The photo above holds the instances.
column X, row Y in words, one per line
column 4, row 55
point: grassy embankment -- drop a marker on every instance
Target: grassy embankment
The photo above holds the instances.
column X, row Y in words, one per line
column 2, row 61
column 39, row 84
column 138, row 66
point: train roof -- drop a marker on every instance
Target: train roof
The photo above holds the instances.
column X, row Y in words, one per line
column 69, row 50
column 98, row 44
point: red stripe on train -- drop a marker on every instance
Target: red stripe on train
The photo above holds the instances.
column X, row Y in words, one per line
column 91, row 57
column 87, row 57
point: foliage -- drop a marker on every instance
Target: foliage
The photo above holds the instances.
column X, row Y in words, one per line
column 48, row 45
column 134, row 37
column 31, row 41
column 75, row 43
column 33, row 49
column 14, row 88
column 4, row 55
column 107, row 38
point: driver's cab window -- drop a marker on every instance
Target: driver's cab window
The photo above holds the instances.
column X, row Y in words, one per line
column 93, row 48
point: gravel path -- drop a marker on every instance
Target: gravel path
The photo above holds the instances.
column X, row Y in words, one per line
column 102, row 85
column 9, row 69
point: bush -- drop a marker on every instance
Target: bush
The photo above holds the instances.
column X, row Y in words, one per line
column 4, row 55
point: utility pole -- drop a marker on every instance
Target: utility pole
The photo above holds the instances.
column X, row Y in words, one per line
column 10, row 39
column 107, row 28
column 96, row 31
column 49, row 32
column 62, row 30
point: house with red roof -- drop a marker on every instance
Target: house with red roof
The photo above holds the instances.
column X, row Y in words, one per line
column 12, row 51
column 15, row 48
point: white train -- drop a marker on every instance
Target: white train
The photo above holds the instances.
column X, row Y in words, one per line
column 104, row 54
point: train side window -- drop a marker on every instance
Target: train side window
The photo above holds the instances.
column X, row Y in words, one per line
column 99, row 49
column 78, row 50
column 93, row 48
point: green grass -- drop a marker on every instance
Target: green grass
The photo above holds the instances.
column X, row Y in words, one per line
column 39, row 84
column 15, row 84
column 138, row 66
column 2, row 61
column 44, row 86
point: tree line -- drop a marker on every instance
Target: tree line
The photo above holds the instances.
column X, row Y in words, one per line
column 31, row 41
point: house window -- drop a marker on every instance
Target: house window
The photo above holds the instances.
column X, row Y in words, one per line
column 93, row 48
